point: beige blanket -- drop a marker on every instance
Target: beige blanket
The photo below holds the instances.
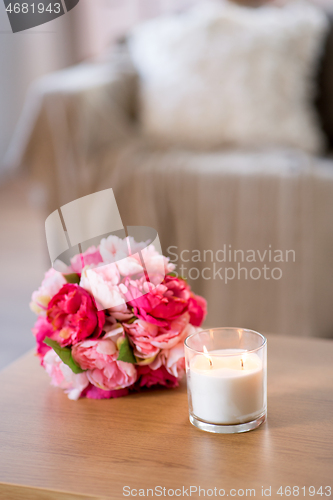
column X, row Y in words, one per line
column 77, row 136
column 279, row 204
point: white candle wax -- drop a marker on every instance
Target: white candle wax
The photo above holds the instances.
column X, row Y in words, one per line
column 229, row 389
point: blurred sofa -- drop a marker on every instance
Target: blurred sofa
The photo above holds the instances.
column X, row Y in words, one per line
column 80, row 133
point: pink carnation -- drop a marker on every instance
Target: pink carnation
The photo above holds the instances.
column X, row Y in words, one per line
column 73, row 315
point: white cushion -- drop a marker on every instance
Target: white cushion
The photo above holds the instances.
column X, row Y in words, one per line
column 226, row 75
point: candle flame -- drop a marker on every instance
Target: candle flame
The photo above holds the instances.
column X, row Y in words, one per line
column 242, row 363
column 205, row 353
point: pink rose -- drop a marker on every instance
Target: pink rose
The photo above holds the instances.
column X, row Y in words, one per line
column 63, row 377
column 173, row 359
column 177, row 331
column 74, row 316
column 41, row 330
column 140, row 332
column 115, row 375
column 112, row 329
column 148, row 338
column 51, row 285
column 103, row 283
column 121, row 312
column 87, row 258
column 108, row 273
column 163, row 304
column 148, row 377
column 91, row 354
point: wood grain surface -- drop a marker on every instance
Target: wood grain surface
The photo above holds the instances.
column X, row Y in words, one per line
column 54, row 448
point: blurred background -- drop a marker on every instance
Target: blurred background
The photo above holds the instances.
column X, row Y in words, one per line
column 87, row 33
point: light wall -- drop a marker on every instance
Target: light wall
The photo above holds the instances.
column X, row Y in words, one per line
column 86, row 31
column 24, row 57
column 101, row 22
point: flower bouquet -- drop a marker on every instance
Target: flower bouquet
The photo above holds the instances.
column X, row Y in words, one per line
column 104, row 330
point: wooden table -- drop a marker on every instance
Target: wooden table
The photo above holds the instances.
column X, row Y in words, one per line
column 54, row 448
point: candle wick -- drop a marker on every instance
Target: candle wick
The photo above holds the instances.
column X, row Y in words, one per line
column 242, row 364
column 205, row 353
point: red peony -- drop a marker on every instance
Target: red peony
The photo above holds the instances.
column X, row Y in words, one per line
column 148, row 377
column 74, row 315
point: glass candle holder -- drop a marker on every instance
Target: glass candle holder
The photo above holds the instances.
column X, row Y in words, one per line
column 226, row 370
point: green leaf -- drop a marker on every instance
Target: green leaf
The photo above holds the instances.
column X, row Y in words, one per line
column 64, row 353
column 126, row 352
column 130, row 321
column 72, row 278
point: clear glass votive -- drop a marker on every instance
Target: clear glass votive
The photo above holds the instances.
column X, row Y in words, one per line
column 226, row 370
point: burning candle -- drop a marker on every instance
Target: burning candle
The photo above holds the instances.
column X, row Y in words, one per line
column 226, row 386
